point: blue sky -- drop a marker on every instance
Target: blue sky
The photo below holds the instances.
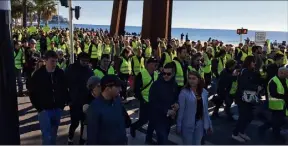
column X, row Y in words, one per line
column 254, row 15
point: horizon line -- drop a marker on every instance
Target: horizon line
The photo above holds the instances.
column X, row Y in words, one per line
column 194, row 28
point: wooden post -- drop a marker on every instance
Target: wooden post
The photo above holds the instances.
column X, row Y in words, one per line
column 157, row 20
column 118, row 17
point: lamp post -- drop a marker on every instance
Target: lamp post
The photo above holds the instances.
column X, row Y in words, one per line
column 9, row 119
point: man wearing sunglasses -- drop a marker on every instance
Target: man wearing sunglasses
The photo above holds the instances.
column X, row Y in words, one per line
column 163, row 97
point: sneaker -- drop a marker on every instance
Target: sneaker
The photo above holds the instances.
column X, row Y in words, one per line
column 244, row 136
column 238, row 138
column 132, row 132
column 70, row 142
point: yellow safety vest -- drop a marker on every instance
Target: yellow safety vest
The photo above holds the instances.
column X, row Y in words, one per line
column 207, row 63
column 179, row 74
column 146, row 79
column 221, row 65
column 48, row 43
column 244, row 55
column 86, row 47
column 63, row 47
column 275, row 103
column 96, row 52
column 107, row 49
column 168, row 58
column 38, row 45
column 233, row 88
column 62, row 65
column 200, row 71
column 19, row 59
column 229, row 56
column 137, row 65
column 98, row 73
column 78, row 51
column 125, row 67
column 269, row 61
column 148, row 52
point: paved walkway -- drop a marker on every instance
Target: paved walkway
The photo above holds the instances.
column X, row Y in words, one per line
column 31, row 135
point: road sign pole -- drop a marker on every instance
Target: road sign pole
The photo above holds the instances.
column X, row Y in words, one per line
column 70, row 10
column 9, row 119
column 240, row 38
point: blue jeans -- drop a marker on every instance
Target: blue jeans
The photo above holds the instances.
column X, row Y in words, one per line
column 18, row 74
column 49, row 122
column 214, row 86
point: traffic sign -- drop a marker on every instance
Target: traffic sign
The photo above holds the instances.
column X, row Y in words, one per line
column 260, row 38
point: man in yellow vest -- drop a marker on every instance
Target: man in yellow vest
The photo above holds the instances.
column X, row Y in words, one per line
column 181, row 67
column 166, row 56
column 62, row 62
column 105, row 67
column 217, row 65
column 95, row 52
column 137, row 63
column 19, row 60
column 226, row 89
column 243, row 54
column 142, row 84
column 277, row 102
column 147, row 49
column 124, row 71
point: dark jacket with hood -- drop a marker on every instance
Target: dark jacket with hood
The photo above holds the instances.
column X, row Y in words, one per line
column 163, row 94
column 77, row 77
column 48, row 90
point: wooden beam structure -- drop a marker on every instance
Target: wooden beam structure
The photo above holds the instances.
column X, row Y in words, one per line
column 118, row 17
column 157, row 20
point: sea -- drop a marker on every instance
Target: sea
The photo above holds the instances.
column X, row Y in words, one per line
column 227, row 36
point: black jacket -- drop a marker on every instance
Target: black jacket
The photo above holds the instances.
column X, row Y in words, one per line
column 77, row 77
column 225, row 82
column 48, row 90
column 248, row 80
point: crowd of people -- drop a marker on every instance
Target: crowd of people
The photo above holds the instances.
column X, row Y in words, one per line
column 172, row 83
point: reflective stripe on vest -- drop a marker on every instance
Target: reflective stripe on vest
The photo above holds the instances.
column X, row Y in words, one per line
column 168, row 58
column 179, row 77
column 137, row 65
column 146, row 78
column 125, row 67
column 274, row 103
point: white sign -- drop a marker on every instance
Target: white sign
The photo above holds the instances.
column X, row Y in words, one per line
column 5, row 5
column 260, row 37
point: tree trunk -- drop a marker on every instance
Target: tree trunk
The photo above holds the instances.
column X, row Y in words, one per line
column 38, row 18
column 24, row 16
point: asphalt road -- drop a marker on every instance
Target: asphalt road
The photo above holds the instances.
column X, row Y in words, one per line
column 31, row 135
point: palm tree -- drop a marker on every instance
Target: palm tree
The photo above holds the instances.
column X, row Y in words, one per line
column 16, row 9
column 45, row 9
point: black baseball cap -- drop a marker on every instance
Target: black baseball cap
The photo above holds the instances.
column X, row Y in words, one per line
column 83, row 56
column 110, row 80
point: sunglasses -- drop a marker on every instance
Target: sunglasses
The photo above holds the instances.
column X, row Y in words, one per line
column 166, row 73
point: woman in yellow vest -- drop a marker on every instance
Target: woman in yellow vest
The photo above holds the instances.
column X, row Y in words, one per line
column 217, row 65
column 148, row 49
column 77, row 49
column 243, row 54
column 124, row 71
column 62, row 62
